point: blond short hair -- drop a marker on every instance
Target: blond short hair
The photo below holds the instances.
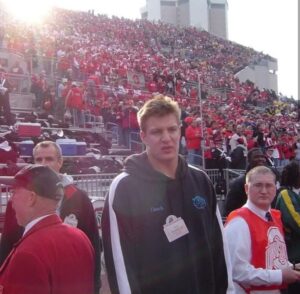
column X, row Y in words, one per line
column 158, row 106
column 262, row 170
column 46, row 144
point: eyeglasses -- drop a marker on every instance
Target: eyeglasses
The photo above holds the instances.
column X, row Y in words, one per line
column 267, row 186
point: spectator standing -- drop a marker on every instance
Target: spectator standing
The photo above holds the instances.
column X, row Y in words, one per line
column 60, row 101
column 49, row 100
column 288, row 202
column 38, row 263
column 238, row 134
column 256, row 239
column 41, row 88
column 239, row 155
column 161, row 227
column 17, row 76
column 297, row 149
column 193, row 140
column 129, row 121
column 35, row 88
column 286, row 151
column 272, row 143
column 259, row 135
column 5, row 89
column 75, row 208
column 74, row 102
column 208, row 145
column 184, row 114
column 250, row 140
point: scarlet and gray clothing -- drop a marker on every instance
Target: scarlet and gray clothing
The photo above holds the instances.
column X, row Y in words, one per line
column 75, row 202
column 258, row 251
column 50, row 258
column 138, row 255
column 193, row 137
column 74, row 98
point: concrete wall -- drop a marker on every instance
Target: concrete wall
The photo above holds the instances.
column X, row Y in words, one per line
column 153, row 8
column 218, row 20
column 184, row 13
column 261, row 74
column 199, row 16
column 209, row 15
column 169, row 12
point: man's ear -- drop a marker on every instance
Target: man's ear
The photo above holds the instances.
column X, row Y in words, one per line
column 143, row 136
column 32, row 198
column 60, row 162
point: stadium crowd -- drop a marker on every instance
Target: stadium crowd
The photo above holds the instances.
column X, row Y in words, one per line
column 111, row 72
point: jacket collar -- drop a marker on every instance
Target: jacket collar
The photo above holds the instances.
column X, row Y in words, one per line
column 50, row 220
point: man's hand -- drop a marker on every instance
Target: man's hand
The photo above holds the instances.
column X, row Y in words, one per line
column 290, row 276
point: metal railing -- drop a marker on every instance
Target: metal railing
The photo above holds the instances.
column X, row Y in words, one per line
column 135, row 143
column 112, row 133
column 20, row 83
column 97, row 187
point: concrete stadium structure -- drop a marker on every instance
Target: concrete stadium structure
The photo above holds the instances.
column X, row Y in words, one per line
column 209, row 15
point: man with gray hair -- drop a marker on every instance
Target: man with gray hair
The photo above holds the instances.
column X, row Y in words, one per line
column 45, row 259
column 75, row 208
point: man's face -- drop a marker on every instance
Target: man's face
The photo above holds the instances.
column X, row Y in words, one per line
column 21, row 203
column 48, row 156
column 261, row 190
column 161, row 137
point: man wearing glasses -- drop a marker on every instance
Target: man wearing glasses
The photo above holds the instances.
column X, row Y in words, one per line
column 256, row 239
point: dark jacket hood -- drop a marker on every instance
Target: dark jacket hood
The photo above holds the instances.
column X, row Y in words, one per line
column 138, row 165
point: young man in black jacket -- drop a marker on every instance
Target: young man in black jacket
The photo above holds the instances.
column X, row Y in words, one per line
column 75, row 209
column 161, row 228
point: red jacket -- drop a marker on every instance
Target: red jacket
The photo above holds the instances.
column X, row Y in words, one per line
column 51, row 257
column 193, row 137
column 129, row 118
column 74, row 98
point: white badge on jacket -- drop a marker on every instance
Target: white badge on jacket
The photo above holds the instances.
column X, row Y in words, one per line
column 71, row 220
column 175, row 228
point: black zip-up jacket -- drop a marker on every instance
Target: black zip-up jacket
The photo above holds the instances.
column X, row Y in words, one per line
column 139, row 258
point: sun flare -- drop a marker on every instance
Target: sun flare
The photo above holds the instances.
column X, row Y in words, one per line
column 30, row 11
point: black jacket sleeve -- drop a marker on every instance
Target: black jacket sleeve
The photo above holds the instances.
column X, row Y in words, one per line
column 236, row 196
column 80, row 205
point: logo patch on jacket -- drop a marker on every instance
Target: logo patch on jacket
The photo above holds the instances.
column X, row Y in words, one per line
column 157, row 209
column 199, row 202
